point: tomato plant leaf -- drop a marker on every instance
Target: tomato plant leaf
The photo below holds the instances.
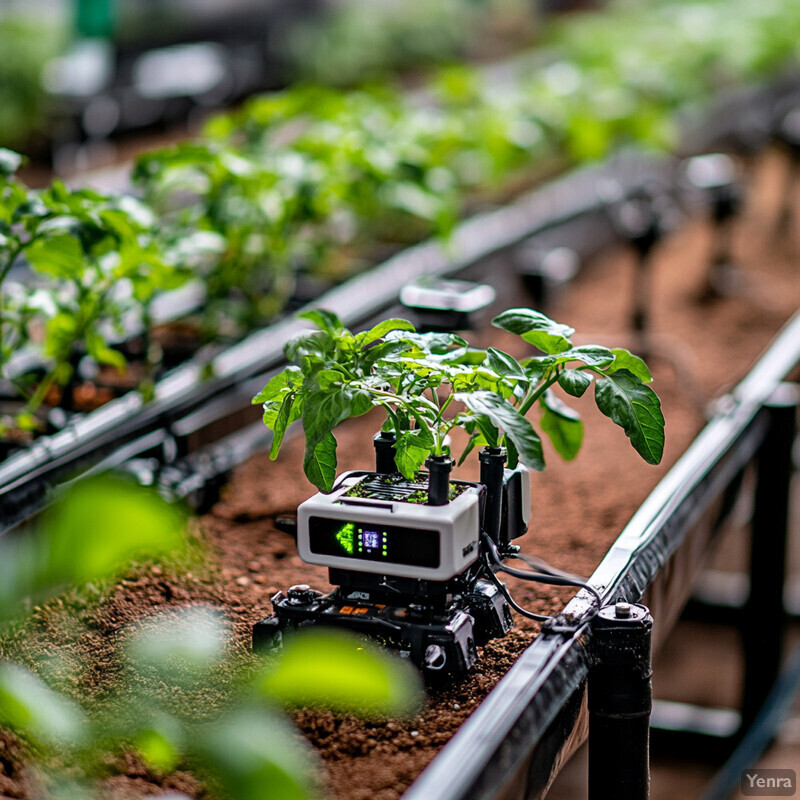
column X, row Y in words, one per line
column 323, row 319
column 592, row 355
column 289, row 378
column 574, row 382
column 290, row 410
column 535, row 328
column 32, row 708
column 10, row 162
column 319, row 463
column 562, row 425
column 636, row 409
column 343, row 673
column 626, row 360
column 59, row 255
column 412, row 448
column 506, row 365
column 255, row 755
column 381, row 329
column 517, row 428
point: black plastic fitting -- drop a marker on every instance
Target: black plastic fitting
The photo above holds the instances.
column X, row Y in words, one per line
column 439, row 468
column 384, row 452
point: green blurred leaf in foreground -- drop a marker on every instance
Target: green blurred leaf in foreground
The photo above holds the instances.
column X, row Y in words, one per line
column 90, row 533
column 255, row 755
column 342, row 673
column 104, row 523
column 29, row 706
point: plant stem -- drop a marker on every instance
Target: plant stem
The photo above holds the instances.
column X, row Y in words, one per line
column 534, row 396
column 40, row 394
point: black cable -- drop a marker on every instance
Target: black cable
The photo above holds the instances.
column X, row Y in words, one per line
column 510, row 600
column 547, row 569
column 353, row 473
column 551, row 580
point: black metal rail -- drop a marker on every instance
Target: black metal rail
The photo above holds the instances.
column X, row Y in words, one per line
column 518, row 738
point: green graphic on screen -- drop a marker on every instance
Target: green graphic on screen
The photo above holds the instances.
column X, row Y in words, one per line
column 363, row 541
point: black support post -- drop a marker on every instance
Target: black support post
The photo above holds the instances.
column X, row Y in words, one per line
column 620, row 700
column 764, row 616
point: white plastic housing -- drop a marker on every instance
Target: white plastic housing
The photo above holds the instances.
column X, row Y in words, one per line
column 457, row 525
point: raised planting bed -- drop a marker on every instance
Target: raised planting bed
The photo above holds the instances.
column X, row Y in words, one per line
column 577, row 510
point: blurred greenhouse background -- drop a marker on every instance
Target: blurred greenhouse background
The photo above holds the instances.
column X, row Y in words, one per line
column 76, row 72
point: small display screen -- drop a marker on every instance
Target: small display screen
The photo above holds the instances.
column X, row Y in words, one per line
column 371, row 542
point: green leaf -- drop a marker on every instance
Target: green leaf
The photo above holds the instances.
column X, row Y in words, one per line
column 290, row 410
column 343, row 673
column 255, row 755
column 591, row 354
column 160, row 742
column 100, row 525
column 517, row 428
column 381, row 329
column 103, row 354
column 536, row 328
column 626, row 360
column 505, row 364
column 29, row 707
column 315, row 344
column 562, row 425
column 636, row 409
column 412, row 448
column 325, row 409
column 574, row 382
column 430, row 343
column 10, row 162
column 290, row 378
column 319, row 463
column 59, row 255
column 323, row 319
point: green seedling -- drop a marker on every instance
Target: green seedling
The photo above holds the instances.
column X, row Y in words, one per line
column 430, row 383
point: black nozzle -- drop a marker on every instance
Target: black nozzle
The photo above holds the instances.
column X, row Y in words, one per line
column 384, row 452
column 493, row 460
column 439, row 468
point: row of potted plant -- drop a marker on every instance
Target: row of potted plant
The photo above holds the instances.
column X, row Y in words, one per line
column 323, row 181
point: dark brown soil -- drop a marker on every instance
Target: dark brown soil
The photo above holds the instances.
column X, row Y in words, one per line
column 697, row 352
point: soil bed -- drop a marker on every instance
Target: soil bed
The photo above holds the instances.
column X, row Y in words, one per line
column 698, row 352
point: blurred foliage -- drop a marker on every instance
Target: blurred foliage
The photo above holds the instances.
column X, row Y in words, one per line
column 320, row 182
column 96, row 263
column 324, row 669
column 91, row 533
column 240, row 747
column 26, row 43
column 367, row 40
